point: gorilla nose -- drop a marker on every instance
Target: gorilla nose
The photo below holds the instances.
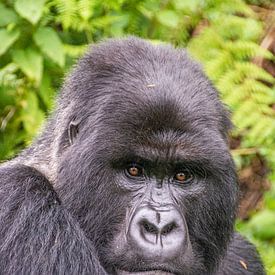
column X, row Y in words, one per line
column 158, row 232
column 151, row 230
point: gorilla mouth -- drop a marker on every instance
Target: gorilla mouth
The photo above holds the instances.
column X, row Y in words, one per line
column 152, row 272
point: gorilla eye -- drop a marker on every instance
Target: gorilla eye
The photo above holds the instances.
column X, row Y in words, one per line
column 183, row 177
column 135, row 170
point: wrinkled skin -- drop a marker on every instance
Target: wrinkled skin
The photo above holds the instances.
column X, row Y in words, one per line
column 131, row 175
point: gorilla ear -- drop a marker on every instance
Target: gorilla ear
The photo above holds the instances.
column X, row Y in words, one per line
column 73, row 131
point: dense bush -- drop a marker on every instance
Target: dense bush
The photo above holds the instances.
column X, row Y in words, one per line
column 41, row 39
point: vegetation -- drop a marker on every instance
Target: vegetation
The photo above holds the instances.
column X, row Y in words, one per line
column 40, row 40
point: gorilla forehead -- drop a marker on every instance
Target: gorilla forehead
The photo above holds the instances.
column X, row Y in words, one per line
column 135, row 70
column 130, row 84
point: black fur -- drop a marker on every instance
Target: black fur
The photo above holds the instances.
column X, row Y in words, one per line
column 63, row 201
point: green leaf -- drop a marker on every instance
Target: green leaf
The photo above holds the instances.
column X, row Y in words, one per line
column 30, row 62
column 7, row 145
column 7, row 16
column 46, row 91
column 30, row 9
column 32, row 117
column 168, row 18
column 187, row 5
column 7, row 96
column 50, row 44
column 7, row 38
column 263, row 224
column 270, row 198
column 74, row 50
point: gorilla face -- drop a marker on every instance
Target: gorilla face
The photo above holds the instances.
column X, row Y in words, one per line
column 144, row 163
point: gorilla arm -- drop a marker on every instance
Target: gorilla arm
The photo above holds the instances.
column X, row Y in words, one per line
column 37, row 235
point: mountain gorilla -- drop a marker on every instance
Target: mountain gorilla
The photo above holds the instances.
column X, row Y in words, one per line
column 131, row 174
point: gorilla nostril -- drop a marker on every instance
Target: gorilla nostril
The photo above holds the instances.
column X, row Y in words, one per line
column 149, row 227
column 168, row 228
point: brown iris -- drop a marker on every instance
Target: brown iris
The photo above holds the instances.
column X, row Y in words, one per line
column 135, row 171
column 183, row 177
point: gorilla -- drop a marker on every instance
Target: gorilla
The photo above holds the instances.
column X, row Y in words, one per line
column 131, row 174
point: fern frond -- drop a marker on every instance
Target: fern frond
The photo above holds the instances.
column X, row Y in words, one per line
column 73, row 50
column 246, row 50
column 253, row 71
column 215, row 68
column 86, row 9
column 67, row 12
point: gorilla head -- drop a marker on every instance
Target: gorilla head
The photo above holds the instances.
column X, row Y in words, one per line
column 131, row 175
column 140, row 158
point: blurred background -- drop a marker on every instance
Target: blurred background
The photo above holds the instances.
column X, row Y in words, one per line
column 234, row 40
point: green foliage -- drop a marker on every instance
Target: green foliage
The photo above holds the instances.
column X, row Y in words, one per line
column 50, row 44
column 30, row 62
column 40, row 40
column 8, row 37
column 30, row 9
column 7, row 16
column 262, row 226
column 227, row 49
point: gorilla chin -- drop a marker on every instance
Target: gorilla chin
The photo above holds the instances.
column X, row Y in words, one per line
column 131, row 174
